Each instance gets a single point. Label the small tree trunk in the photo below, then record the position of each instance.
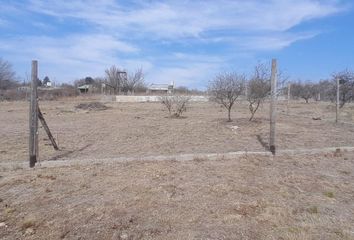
(252, 115)
(229, 114)
(254, 110)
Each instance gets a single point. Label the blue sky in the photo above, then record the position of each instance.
(184, 41)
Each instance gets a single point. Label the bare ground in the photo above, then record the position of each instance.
(307, 196)
(248, 197)
(143, 129)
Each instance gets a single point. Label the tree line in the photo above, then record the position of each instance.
(325, 90)
(225, 88)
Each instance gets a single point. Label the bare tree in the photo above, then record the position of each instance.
(258, 88)
(346, 86)
(134, 81)
(326, 89)
(316, 91)
(305, 91)
(7, 76)
(176, 105)
(226, 88)
(115, 78)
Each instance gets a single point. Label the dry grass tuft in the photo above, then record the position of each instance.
(28, 223)
(313, 210)
(329, 194)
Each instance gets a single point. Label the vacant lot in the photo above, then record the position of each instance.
(248, 197)
(144, 129)
(96, 192)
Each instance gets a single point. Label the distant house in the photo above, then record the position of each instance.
(85, 88)
(48, 84)
(161, 88)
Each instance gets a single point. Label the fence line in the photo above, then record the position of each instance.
(185, 157)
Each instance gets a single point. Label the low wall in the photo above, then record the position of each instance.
(155, 99)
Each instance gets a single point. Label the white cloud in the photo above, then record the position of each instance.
(171, 19)
(73, 56)
(192, 74)
(76, 47)
(116, 29)
(272, 42)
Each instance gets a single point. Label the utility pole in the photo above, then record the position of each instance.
(273, 106)
(33, 117)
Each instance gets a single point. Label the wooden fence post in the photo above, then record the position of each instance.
(33, 117)
(47, 130)
(337, 100)
(288, 103)
(273, 106)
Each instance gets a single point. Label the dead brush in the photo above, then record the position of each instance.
(176, 105)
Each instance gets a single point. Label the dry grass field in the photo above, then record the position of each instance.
(144, 129)
(249, 196)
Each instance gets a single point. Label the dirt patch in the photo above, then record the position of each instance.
(92, 106)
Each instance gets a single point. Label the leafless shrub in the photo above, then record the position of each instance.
(346, 86)
(7, 76)
(305, 91)
(226, 88)
(12, 95)
(56, 93)
(176, 105)
(134, 81)
(115, 78)
(258, 88)
(120, 81)
(187, 91)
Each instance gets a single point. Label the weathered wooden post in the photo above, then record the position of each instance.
(337, 100)
(47, 130)
(273, 106)
(102, 88)
(246, 91)
(288, 103)
(33, 117)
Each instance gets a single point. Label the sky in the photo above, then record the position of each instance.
(185, 41)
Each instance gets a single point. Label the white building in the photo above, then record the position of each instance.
(161, 88)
